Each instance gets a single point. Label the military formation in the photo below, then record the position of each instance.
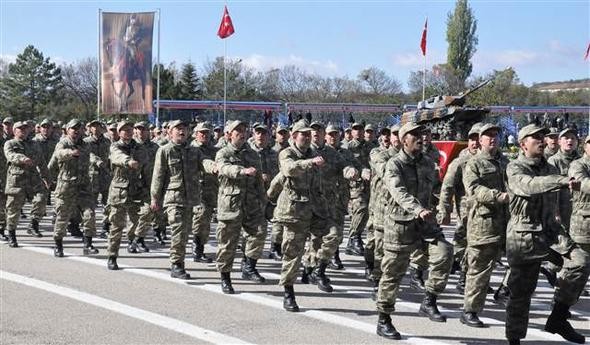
(300, 182)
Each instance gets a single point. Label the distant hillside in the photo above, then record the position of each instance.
(570, 85)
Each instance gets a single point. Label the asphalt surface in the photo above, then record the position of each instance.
(76, 300)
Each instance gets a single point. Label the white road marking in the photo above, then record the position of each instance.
(136, 313)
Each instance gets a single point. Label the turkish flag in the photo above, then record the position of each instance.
(448, 150)
(587, 52)
(226, 28)
(423, 41)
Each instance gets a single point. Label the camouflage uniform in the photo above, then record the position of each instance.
(276, 233)
(3, 166)
(100, 169)
(561, 161)
(484, 180)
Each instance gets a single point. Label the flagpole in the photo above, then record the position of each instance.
(99, 70)
(158, 82)
(424, 79)
(224, 80)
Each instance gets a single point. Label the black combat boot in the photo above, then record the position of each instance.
(319, 277)
(513, 341)
(49, 199)
(58, 251)
(416, 280)
(106, 228)
(430, 309)
(550, 275)
(88, 247)
(249, 271)
(158, 236)
(501, 295)
(557, 323)
(112, 263)
(470, 319)
(276, 252)
(23, 215)
(335, 262)
(460, 287)
(226, 283)
(132, 247)
(199, 252)
(289, 303)
(74, 229)
(369, 267)
(177, 271)
(359, 245)
(456, 266)
(140, 245)
(305, 273)
(350, 247)
(33, 229)
(385, 328)
(12, 239)
(3, 236)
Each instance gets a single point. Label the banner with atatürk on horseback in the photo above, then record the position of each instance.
(126, 62)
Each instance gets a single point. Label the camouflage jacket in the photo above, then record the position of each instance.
(221, 143)
(73, 172)
(240, 196)
(46, 146)
(561, 161)
(380, 197)
(149, 149)
(532, 227)
(176, 175)
(3, 166)
(128, 185)
(209, 183)
(100, 168)
(268, 162)
(580, 221)
(277, 147)
(548, 152)
(361, 152)
(452, 186)
(484, 178)
(432, 152)
(21, 177)
(302, 196)
(342, 182)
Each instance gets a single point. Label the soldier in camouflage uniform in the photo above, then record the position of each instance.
(409, 178)
(453, 188)
(551, 142)
(240, 204)
(3, 165)
(568, 143)
(276, 234)
(301, 206)
(73, 193)
(176, 188)
(46, 143)
(347, 136)
(26, 177)
(7, 124)
(531, 231)
(370, 139)
(203, 213)
(359, 192)
(484, 178)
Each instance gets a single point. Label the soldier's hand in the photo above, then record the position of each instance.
(265, 177)
(28, 161)
(319, 161)
(426, 216)
(133, 164)
(575, 185)
(76, 153)
(366, 174)
(251, 171)
(503, 198)
(154, 206)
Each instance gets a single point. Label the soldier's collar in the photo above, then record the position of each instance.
(531, 161)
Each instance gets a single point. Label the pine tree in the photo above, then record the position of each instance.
(189, 83)
(461, 27)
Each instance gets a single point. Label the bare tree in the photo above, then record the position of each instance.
(81, 81)
(378, 83)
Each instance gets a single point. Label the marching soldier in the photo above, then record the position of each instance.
(276, 234)
(74, 196)
(7, 124)
(3, 165)
(176, 188)
(484, 178)
(531, 231)
(551, 142)
(409, 178)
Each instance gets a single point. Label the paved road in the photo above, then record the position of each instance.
(76, 300)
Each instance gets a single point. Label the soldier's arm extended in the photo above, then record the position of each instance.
(395, 185)
(447, 190)
(474, 188)
(159, 177)
(582, 174)
(225, 167)
(12, 156)
(118, 157)
(290, 166)
(276, 187)
(522, 184)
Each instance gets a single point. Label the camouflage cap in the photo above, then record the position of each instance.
(385, 131)
(140, 124)
(218, 128)
(317, 125)
(347, 129)
(531, 129)
(123, 124)
(165, 124)
(301, 126)
(73, 123)
(152, 126)
(20, 124)
(568, 130)
(91, 123)
(46, 122)
(202, 127)
(235, 124)
(369, 127)
(395, 128)
(8, 120)
(552, 132)
(488, 127)
(332, 128)
(475, 129)
(409, 127)
(176, 123)
(358, 125)
(112, 125)
(282, 128)
(260, 126)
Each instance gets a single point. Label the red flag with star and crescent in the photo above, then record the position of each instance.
(226, 28)
(423, 41)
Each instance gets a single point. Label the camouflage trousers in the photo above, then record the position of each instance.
(180, 219)
(118, 219)
(142, 223)
(481, 260)
(396, 258)
(104, 196)
(374, 249)
(202, 215)
(321, 246)
(419, 259)
(69, 204)
(15, 203)
(460, 243)
(2, 210)
(294, 237)
(228, 237)
(276, 233)
(359, 215)
(573, 277)
(522, 282)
